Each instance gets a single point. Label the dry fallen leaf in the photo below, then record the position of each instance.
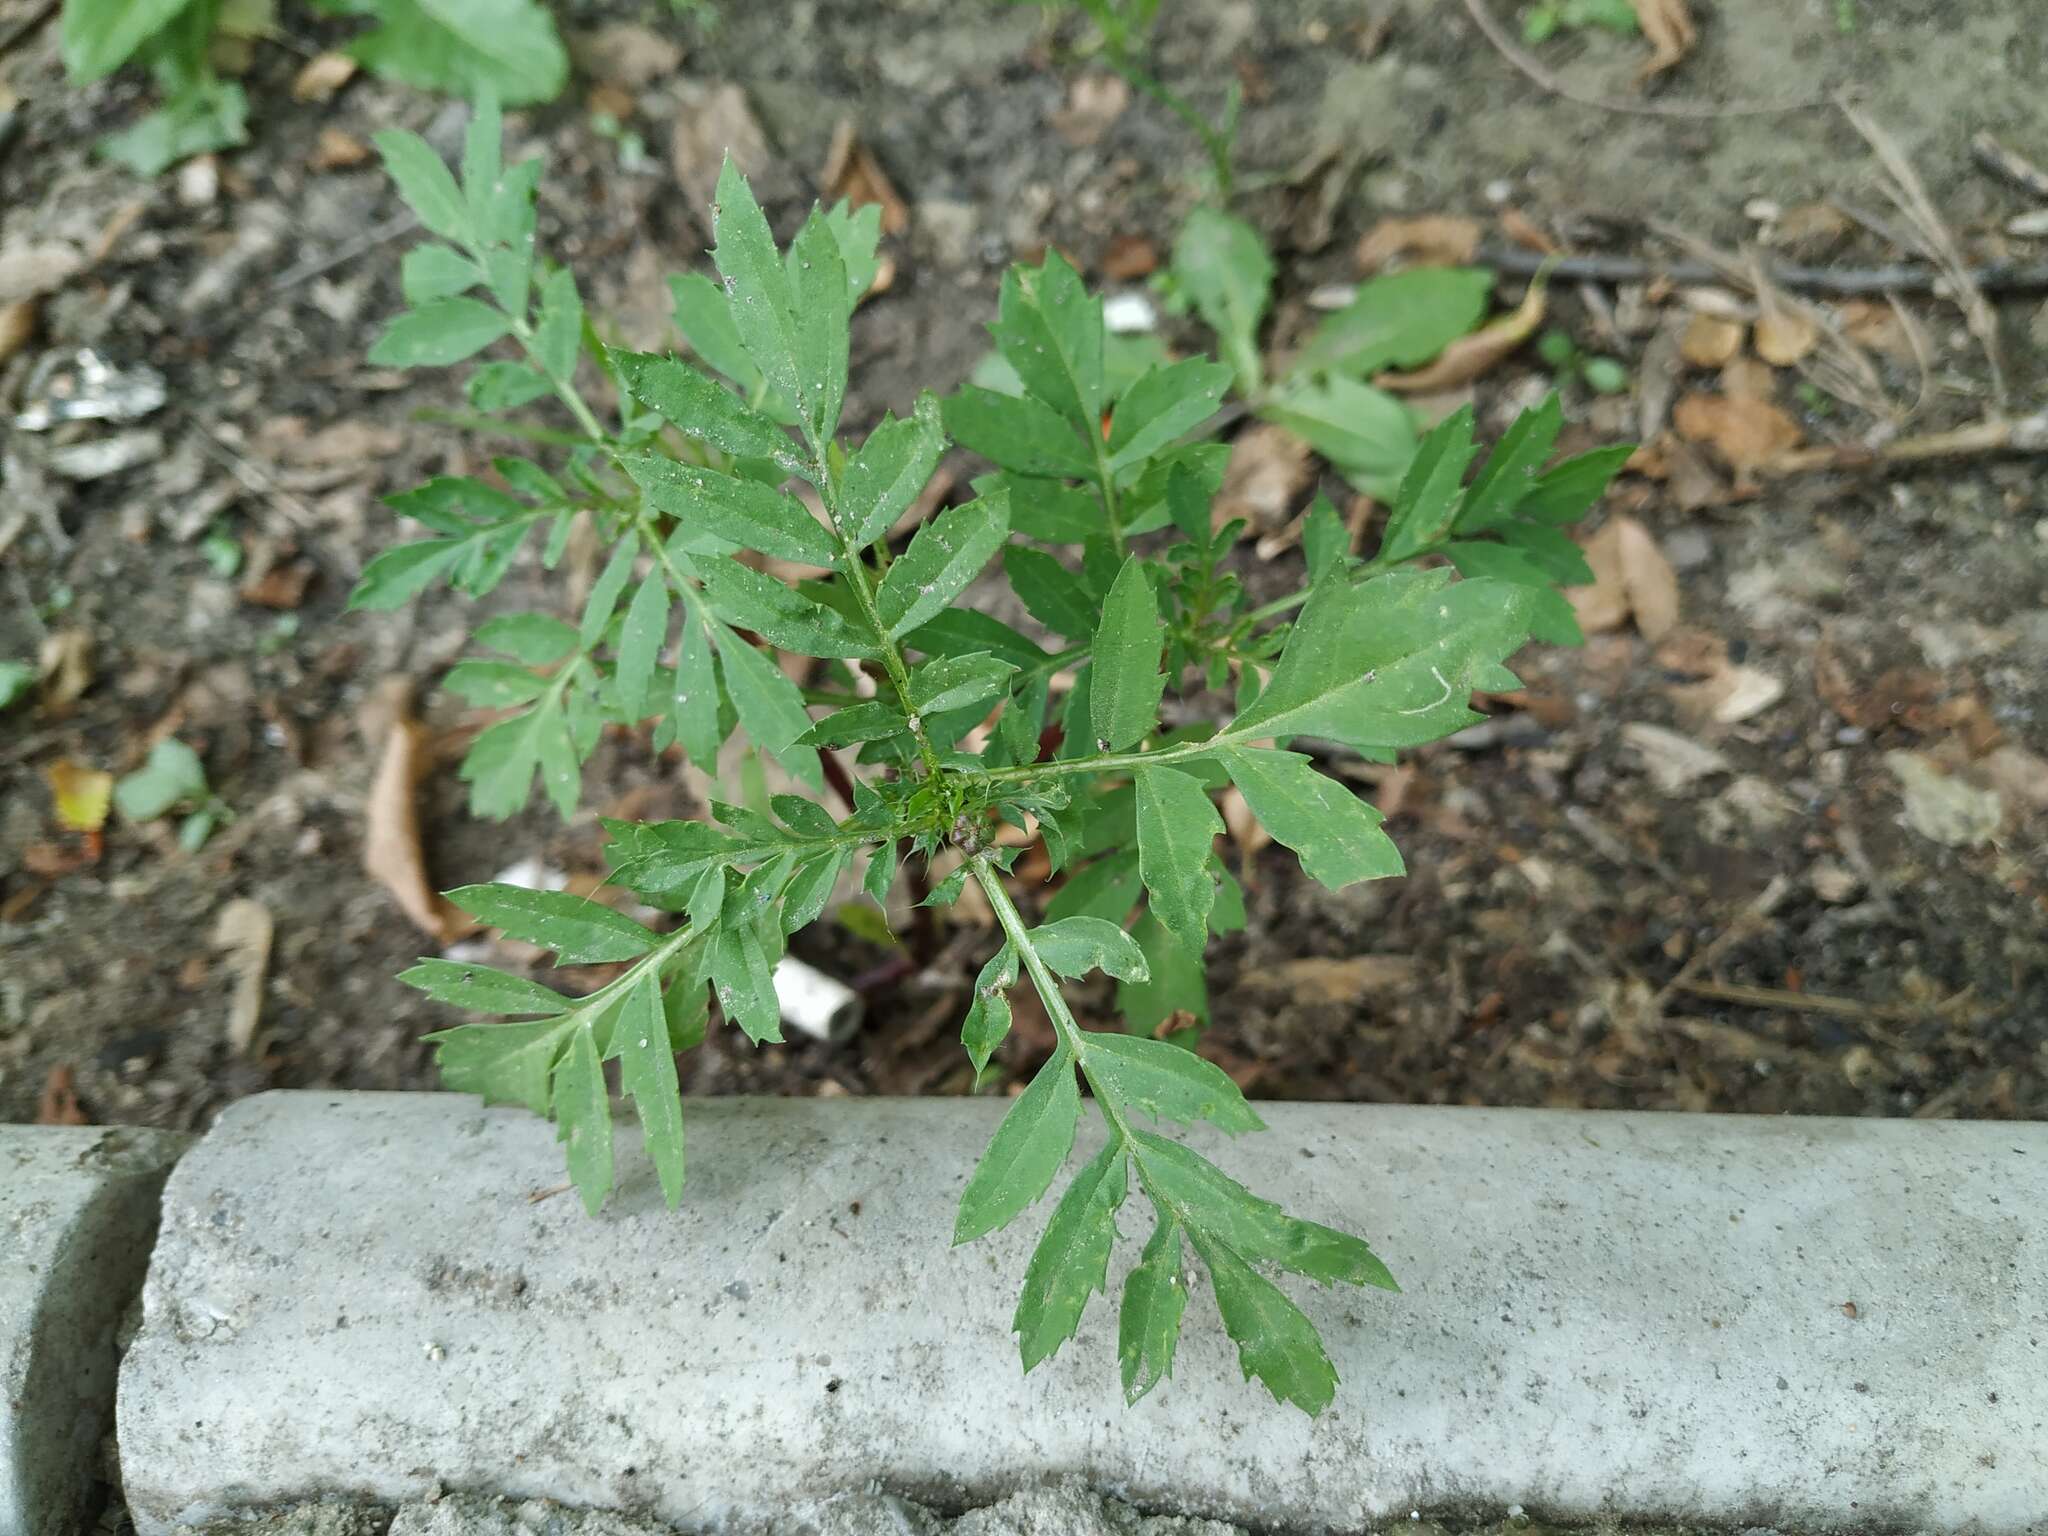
(1470, 356)
(1674, 762)
(1094, 101)
(321, 76)
(1784, 337)
(64, 666)
(1630, 576)
(1669, 27)
(1743, 433)
(335, 150)
(82, 795)
(1269, 466)
(1709, 341)
(625, 53)
(1247, 831)
(17, 325)
(244, 929)
(1430, 240)
(392, 855)
(1129, 257)
(852, 172)
(1942, 806)
(59, 1104)
(713, 121)
(1333, 983)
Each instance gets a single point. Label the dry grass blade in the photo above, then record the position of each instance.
(1909, 195)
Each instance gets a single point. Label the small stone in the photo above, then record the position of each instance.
(1832, 883)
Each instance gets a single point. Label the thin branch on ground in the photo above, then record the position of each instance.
(1834, 282)
(1696, 111)
(1999, 435)
(2009, 166)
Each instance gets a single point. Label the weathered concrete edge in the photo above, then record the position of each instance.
(1606, 1315)
(79, 1209)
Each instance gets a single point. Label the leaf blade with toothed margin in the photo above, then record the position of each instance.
(1126, 683)
(697, 405)
(1154, 1301)
(743, 979)
(482, 989)
(1275, 1340)
(583, 1117)
(1337, 836)
(1026, 1152)
(742, 512)
(761, 302)
(1166, 402)
(579, 930)
(1177, 830)
(438, 334)
(1050, 329)
(1168, 1082)
(1071, 1262)
(890, 471)
(945, 555)
(640, 642)
(502, 1063)
(770, 706)
(647, 1074)
(1074, 946)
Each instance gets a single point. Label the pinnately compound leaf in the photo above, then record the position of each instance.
(1025, 1153)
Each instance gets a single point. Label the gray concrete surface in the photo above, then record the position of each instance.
(77, 1207)
(1803, 1323)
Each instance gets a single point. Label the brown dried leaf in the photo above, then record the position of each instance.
(281, 584)
(1470, 356)
(1743, 433)
(1129, 257)
(1784, 337)
(321, 76)
(1745, 378)
(1669, 27)
(1709, 341)
(712, 121)
(64, 665)
(1269, 466)
(1094, 101)
(1334, 983)
(625, 53)
(1429, 240)
(244, 930)
(392, 855)
(59, 1104)
(1630, 577)
(852, 172)
(335, 150)
(17, 326)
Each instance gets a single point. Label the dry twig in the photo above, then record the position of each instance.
(2008, 166)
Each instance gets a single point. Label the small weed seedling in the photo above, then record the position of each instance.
(1098, 514)
(505, 48)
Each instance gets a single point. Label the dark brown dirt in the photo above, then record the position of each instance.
(1557, 891)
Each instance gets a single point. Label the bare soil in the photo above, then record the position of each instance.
(1558, 888)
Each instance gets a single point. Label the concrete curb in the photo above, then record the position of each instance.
(1605, 1315)
(78, 1208)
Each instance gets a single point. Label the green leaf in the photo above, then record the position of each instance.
(744, 512)
(945, 555)
(605, 593)
(1337, 836)
(1071, 1262)
(1148, 1326)
(1275, 1340)
(988, 1017)
(1427, 501)
(425, 183)
(1220, 262)
(1398, 321)
(640, 642)
(1565, 494)
(500, 764)
(558, 331)
(1125, 681)
(504, 1063)
(1016, 432)
(1390, 662)
(534, 638)
(499, 385)
(892, 468)
(695, 705)
(1048, 511)
(494, 684)
(438, 334)
(173, 775)
(583, 1114)
(1166, 403)
(962, 632)
(881, 873)
(1168, 1082)
(1050, 592)
(431, 272)
(804, 898)
(506, 49)
(1178, 982)
(664, 860)
(770, 706)
(483, 990)
(16, 678)
(1107, 888)
(819, 285)
(869, 720)
(1074, 946)
(762, 300)
(1365, 432)
(1508, 475)
(101, 35)
(1325, 542)
(856, 231)
(647, 1072)
(954, 682)
(706, 410)
(580, 931)
(202, 113)
(704, 316)
(1025, 1153)
(1177, 828)
(778, 613)
(743, 979)
(1050, 330)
